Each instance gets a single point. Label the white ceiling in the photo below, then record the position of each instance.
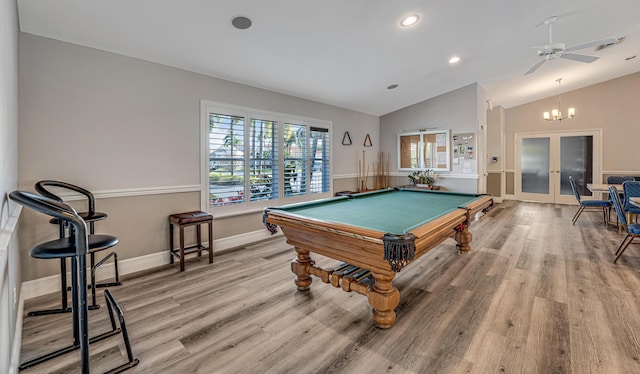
(346, 52)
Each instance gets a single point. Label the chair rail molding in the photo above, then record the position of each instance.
(129, 192)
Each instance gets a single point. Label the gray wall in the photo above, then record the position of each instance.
(495, 148)
(10, 278)
(122, 126)
(611, 106)
(457, 111)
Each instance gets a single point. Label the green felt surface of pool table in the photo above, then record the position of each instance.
(391, 211)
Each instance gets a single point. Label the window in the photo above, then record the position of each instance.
(319, 160)
(258, 159)
(263, 160)
(295, 157)
(424, 150)
(226, 159)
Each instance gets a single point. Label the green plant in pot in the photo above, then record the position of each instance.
(425, 177)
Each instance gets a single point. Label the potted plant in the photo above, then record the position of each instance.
(423, 178)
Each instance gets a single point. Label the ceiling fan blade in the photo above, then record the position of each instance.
(591, 44)
(535, 67)
(581, 58)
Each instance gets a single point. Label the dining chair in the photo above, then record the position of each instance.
(604, 205)
(630, 189)
(633, 229)
(619, 179)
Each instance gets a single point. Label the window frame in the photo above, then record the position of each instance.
(421, 150)
(248, 206)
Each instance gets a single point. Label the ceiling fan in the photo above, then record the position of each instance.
(557, 50)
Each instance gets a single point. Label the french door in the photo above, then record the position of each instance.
(544, 162)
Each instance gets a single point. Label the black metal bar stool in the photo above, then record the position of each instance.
(183, 220)
(90, 217)
(75, 248)
(76, 253)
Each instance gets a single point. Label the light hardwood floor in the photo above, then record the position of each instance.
(535, 295)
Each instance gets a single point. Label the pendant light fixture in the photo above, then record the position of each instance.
(556, 114)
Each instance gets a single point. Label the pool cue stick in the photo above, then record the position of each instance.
(366, 178)
(382, 170)
(381, 167)
(373, 168)
(364, 183)
(376, 178)
(358, 177)
(388, 174)
(376, 168)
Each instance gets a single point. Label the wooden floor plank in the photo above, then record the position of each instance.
(548, 342)
(536, 294)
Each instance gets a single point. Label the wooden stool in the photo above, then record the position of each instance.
(189, 219)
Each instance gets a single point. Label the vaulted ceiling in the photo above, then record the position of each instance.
(347, 52)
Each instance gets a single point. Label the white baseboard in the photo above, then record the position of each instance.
(51, 284)
(242, 240)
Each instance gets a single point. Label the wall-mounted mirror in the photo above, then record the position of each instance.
(424, 150)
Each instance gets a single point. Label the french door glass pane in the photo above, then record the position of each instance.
(576, 153)
(535, 163)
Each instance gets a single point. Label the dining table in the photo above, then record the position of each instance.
(635, 201)
(602, 187)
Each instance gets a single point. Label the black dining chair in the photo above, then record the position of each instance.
(90, 216)
(604, 205)
(632, 230)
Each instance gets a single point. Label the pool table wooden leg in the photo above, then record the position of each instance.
(300, 267)
(384, 298)
(463, 237)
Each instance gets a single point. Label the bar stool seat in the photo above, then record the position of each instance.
(65, 247)
(183, 220)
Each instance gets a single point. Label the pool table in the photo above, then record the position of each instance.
(375, 235)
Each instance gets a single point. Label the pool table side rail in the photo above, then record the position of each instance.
(483, 203)
(362, 251)
(284, 218)
(366, 246)
(433, 233)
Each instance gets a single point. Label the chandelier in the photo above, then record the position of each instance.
(556, 114)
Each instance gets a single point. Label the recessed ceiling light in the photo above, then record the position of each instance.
(409, 20)
(454, 59)
(391, 87)
(241, 23)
